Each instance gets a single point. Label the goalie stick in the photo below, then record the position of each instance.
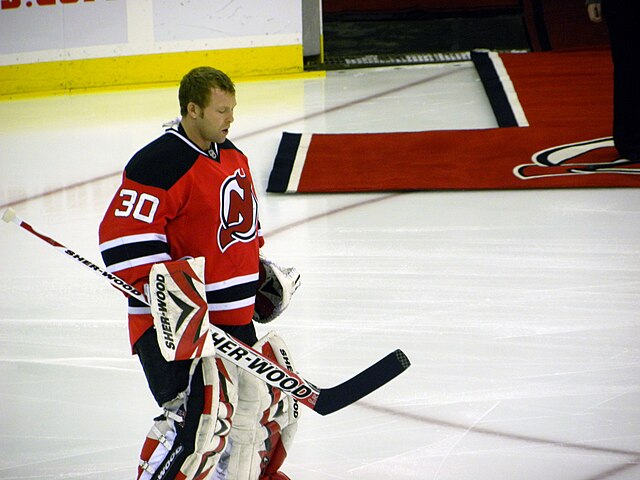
(321, 400)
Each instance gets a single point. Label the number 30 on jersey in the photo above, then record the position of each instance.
(143, 206)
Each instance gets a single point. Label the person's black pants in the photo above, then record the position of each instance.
(623, 22)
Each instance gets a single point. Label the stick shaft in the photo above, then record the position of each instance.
(112, 279)
(323, 401)
(252, 361)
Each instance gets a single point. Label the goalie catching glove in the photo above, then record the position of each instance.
(276, 286)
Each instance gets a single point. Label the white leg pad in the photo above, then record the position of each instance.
(264, 418)
(215, 421)
(161, 437)
(214, 425)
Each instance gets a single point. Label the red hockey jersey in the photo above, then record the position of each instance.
(178, 201)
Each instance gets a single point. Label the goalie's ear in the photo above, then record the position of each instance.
(277, 285)
(180, 311)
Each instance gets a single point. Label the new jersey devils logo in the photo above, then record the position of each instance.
(238, 211)
(581, 158)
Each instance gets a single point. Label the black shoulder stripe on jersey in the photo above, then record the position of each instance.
(162, 163)
(232, 294)
(228, 145)
(131, 251)
(134, 302)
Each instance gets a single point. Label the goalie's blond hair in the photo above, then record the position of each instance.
(197, 84)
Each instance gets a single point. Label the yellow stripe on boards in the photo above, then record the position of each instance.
(36, 79)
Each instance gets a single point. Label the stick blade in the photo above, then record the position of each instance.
(333, 399)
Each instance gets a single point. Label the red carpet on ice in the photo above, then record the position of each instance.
(554, 111)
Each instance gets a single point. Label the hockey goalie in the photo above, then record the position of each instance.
(183, 227)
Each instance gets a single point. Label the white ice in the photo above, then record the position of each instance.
(518, 309)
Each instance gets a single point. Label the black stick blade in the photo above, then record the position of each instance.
(333, 399)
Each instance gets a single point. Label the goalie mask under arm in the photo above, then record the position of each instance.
(277, 286)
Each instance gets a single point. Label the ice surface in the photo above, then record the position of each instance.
(518, 309)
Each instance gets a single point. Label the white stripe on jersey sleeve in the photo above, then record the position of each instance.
(139, 311)
(218, 307)
(211, 287)
(142, 237)
(160, 257)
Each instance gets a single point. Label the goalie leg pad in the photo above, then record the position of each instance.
(265, 421)
(196, 433)
(161, 437)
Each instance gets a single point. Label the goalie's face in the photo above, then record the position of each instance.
(212, 123)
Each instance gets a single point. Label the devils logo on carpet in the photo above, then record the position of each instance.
(580, 158)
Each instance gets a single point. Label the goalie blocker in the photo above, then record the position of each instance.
(179, 308)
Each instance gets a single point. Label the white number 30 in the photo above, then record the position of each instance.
(143, 208)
